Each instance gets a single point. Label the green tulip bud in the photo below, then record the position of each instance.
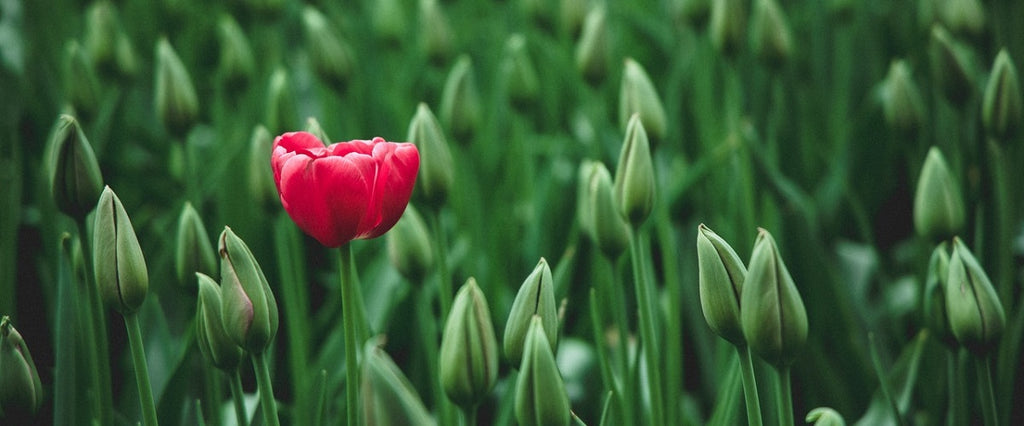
(460, 100)
(583, 214)
(728, 25)
(938, 206)
(80, 81)
(693, 12)
(102, 32)
(75, 180)
(237, 64)
(249, 310)
(824, 416)
(21, 392)
(387, 397)
(951, 66)
(176, 102)
(634, 176)
(330, 55)
(571, 14)
(901, 101)
(388, 19)
(261, 178)
(521, 79)
(313, 126)
(591, 54)
(194, 252)
(770, 35)
(436, 176)
(964, 16)
(409, 246)
(541, 398)
(935, 316)
(721, 274)
(536, 298)
(119, 266)
(435, 32)
(281, 113)
(608, 229)
(638, 96)
(773, 317)
(975, 313)
(1002, 105)
(469, 351)
(212, 339)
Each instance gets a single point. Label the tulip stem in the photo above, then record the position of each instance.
(131, 322)
(785, 397)
(470, 415)
(988, 398)
(749, 386)
(237, 397)
(648, 335)
(97, 340)
(266, 390)
(348, 313)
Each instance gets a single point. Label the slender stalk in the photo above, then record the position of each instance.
(266, 388)
(429, 335)
(469, 415)
(237, 397)
(65, 397)
(602, 359)
(952, 386)
(97, 341)
(131, 322)
(749, 386)
(648, 335)
(985, 391)
(785, 398)
(443, 274)
(615, 298)
(348, 313)
(211, 394)
(673, 349)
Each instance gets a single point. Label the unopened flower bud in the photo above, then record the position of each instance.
(261, 178)
(966, 17)
(249, 310)
(638, 96)
(521, 79)
(387, 397)
(469, 350)
(541, 398)
(608, 229)
(770, 38)
(693, 12)
(975, 313)
(75, 180)
(901, 101)
(176, 102)
(409, 247)
(951, 66)
(536, 298)
(389, 21)
(728, 25)
(592, 49)
(938, 206)
(571, 14)
(435, 32)
(80, 81)
(212, 339)
(773, 316)
(460, 100)
(935, 316)
(634, 176)
(194, 252)
(237, 64)
(21, 392)
(119, 266)
(825, 416)
(721, 274)
(1002, 105)
(102, 31)
(281, 113)
(329, 53)
(436, 175)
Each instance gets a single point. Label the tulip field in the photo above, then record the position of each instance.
(511, 212)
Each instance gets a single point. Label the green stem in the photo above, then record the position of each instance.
(266, 389)
(749, 386)
(65, 390)
(952, 386)
(648, 335)
(211, 394)
(602, 359)
(785, 397)
(988, 398)
(427, 324)
(469, 415)
(237, 397)
(97, 341)
(616, 296)
(443, 274)
(131, 322)
(348, 312)
(673, 326)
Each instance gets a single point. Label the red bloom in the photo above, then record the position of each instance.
(345, 191)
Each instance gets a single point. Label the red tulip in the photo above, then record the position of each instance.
(345, 191)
